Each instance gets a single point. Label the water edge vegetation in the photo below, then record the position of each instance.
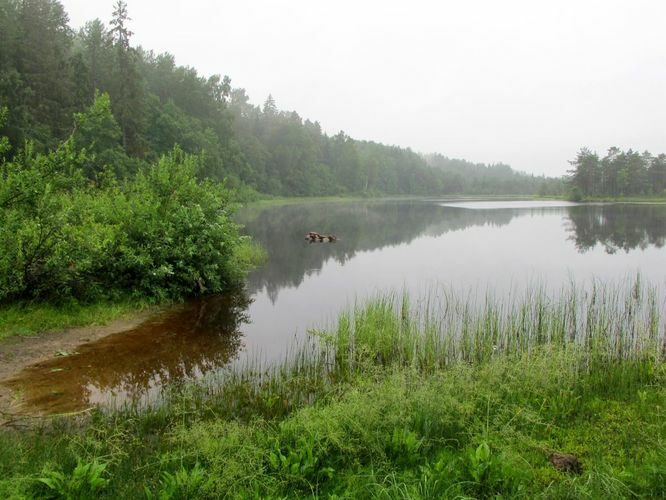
(438, 396)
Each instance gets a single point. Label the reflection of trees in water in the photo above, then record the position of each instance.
(617, 227)
(359, 226)
(184, 342)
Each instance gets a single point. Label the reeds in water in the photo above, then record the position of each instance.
(615, 322)
(599, 324)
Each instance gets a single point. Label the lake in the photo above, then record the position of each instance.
(415, 246)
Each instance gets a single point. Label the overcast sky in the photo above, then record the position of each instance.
(524, 82)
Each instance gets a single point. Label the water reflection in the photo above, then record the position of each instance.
(131, 366)
(362, 226)
(375, 225)
(617, 227)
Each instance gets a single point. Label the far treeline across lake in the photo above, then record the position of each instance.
(619, 173)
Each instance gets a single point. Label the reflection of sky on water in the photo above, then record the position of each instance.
(411, 246)
(497, 205)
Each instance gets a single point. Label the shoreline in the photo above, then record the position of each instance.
(20, 352)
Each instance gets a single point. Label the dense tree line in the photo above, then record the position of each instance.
(619, 173)
(49, 73)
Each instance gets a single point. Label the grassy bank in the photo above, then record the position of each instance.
(652, 200)
(436, 398)
(627, 199)
(31, 319)
(263, 202)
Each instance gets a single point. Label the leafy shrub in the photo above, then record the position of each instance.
(175, 233)
(161, 234)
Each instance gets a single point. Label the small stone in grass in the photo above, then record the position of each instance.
(565, 462)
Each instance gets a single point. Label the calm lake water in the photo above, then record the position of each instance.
(411, 246)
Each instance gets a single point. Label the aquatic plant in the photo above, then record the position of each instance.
(600, 325)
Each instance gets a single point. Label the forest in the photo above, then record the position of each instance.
(50, 72)
(619, 173)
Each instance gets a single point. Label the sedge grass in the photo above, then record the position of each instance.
(603, 324)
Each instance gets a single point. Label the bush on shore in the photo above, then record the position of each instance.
(67, 233)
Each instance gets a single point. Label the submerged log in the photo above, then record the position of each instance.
(313, 236)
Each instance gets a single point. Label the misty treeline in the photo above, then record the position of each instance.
(619, 173)
(49, 72)
(92, 205)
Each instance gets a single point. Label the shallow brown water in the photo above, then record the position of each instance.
(411, 246)
(133, 366)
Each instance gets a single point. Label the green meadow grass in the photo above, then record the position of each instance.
(437, 397)
(30, 319)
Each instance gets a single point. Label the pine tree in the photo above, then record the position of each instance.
(127, 96)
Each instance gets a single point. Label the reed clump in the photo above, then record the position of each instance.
(599, 325)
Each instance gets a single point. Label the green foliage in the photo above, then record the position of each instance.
(176, 237)
(182, 485)
(37, 72)
(40, 227)
(300, 461)
(404, 447)
(405, 425)
(29, 318)
(162, 234)
(85, 481)
(575, 194)
(619, 173)
(48, 74)
(460, 176)
(4, 141)
(98, 134)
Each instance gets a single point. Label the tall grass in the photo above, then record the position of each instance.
(613, 322)
(600, 325)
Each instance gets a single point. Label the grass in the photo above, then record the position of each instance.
(443, 396)
(30, 319)
(648, 199)
(248, 255)
(272, 201)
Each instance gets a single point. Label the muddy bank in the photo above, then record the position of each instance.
(19, 353)
(126, 362)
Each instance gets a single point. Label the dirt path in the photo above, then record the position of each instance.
(17, 353)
